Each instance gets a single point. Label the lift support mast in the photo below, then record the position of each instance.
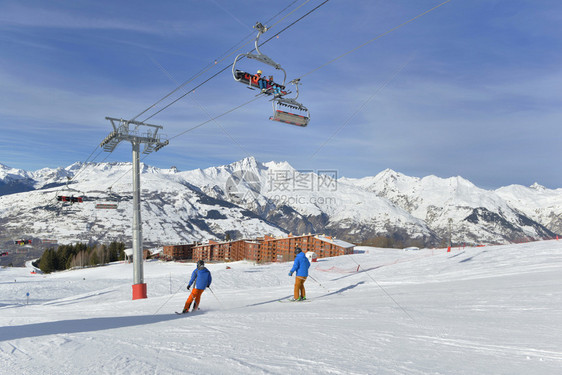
(152, 142)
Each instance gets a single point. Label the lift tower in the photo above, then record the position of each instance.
(123, 131)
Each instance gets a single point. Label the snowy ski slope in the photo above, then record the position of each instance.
(485, 310)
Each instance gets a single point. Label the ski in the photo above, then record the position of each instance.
(189, 312)
(293, 300)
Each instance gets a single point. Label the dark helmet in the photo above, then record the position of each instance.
(298, 250)
(200, 264)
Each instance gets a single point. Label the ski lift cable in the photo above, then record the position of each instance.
(225, 68)
(195, 76)
(228, 66)
(227, 54)
(381, 87)
(296, 80)
(346, 122)
(230, 14)
(266, 41)
(216, 74)
(70, 179)
(377, 37)
(184, 95)
(84, 164)
(221, 58)
(82, 168)
(216, 117)
(203, 109)
(293, 11)
(187, 82)
(233, 109)
(210, 65)
(293, 23)
(190, 129)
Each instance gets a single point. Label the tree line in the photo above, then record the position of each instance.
(79, 255)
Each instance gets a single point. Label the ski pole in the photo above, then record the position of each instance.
(318, 283)
(216, 297)
(384, 290)
(168, 300)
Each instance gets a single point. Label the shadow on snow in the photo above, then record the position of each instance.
(321, 296)
(80, 326)
(349, 287)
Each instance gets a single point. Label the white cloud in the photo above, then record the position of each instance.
(18, 15)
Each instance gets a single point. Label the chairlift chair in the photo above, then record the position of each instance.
(106, 206)
(289, 111)
(110, 203)
(68, 195)
(286, 110)
(70, 198)
(250, 79)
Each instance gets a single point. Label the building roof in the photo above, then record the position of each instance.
(324, 238)
(336, 242)
(214, 242)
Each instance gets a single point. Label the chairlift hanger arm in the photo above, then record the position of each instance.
(261, 29)
(258, 56)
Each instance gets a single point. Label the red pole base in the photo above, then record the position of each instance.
(139, 291)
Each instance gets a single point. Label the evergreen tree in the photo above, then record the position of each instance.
(121, 250)
(64, 253)
(113, 253)
(48, 262)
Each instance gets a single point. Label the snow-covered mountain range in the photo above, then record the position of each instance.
(472, 214)
(249, 198)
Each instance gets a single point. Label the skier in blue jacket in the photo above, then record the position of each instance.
(301, 266)
(201, 276)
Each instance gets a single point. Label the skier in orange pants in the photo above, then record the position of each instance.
(194, 296)
(202, 279)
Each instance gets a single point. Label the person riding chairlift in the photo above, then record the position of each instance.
(276, 88)
(261, 81)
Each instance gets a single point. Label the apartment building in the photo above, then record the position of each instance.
(177, 252)
(271, 249)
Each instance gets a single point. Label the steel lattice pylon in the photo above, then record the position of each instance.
(152, 141)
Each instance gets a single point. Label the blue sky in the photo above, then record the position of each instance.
(470, 89)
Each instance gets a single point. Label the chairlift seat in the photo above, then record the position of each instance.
(252, 80)
(106, 206)
(71, 199)
(290, 118)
